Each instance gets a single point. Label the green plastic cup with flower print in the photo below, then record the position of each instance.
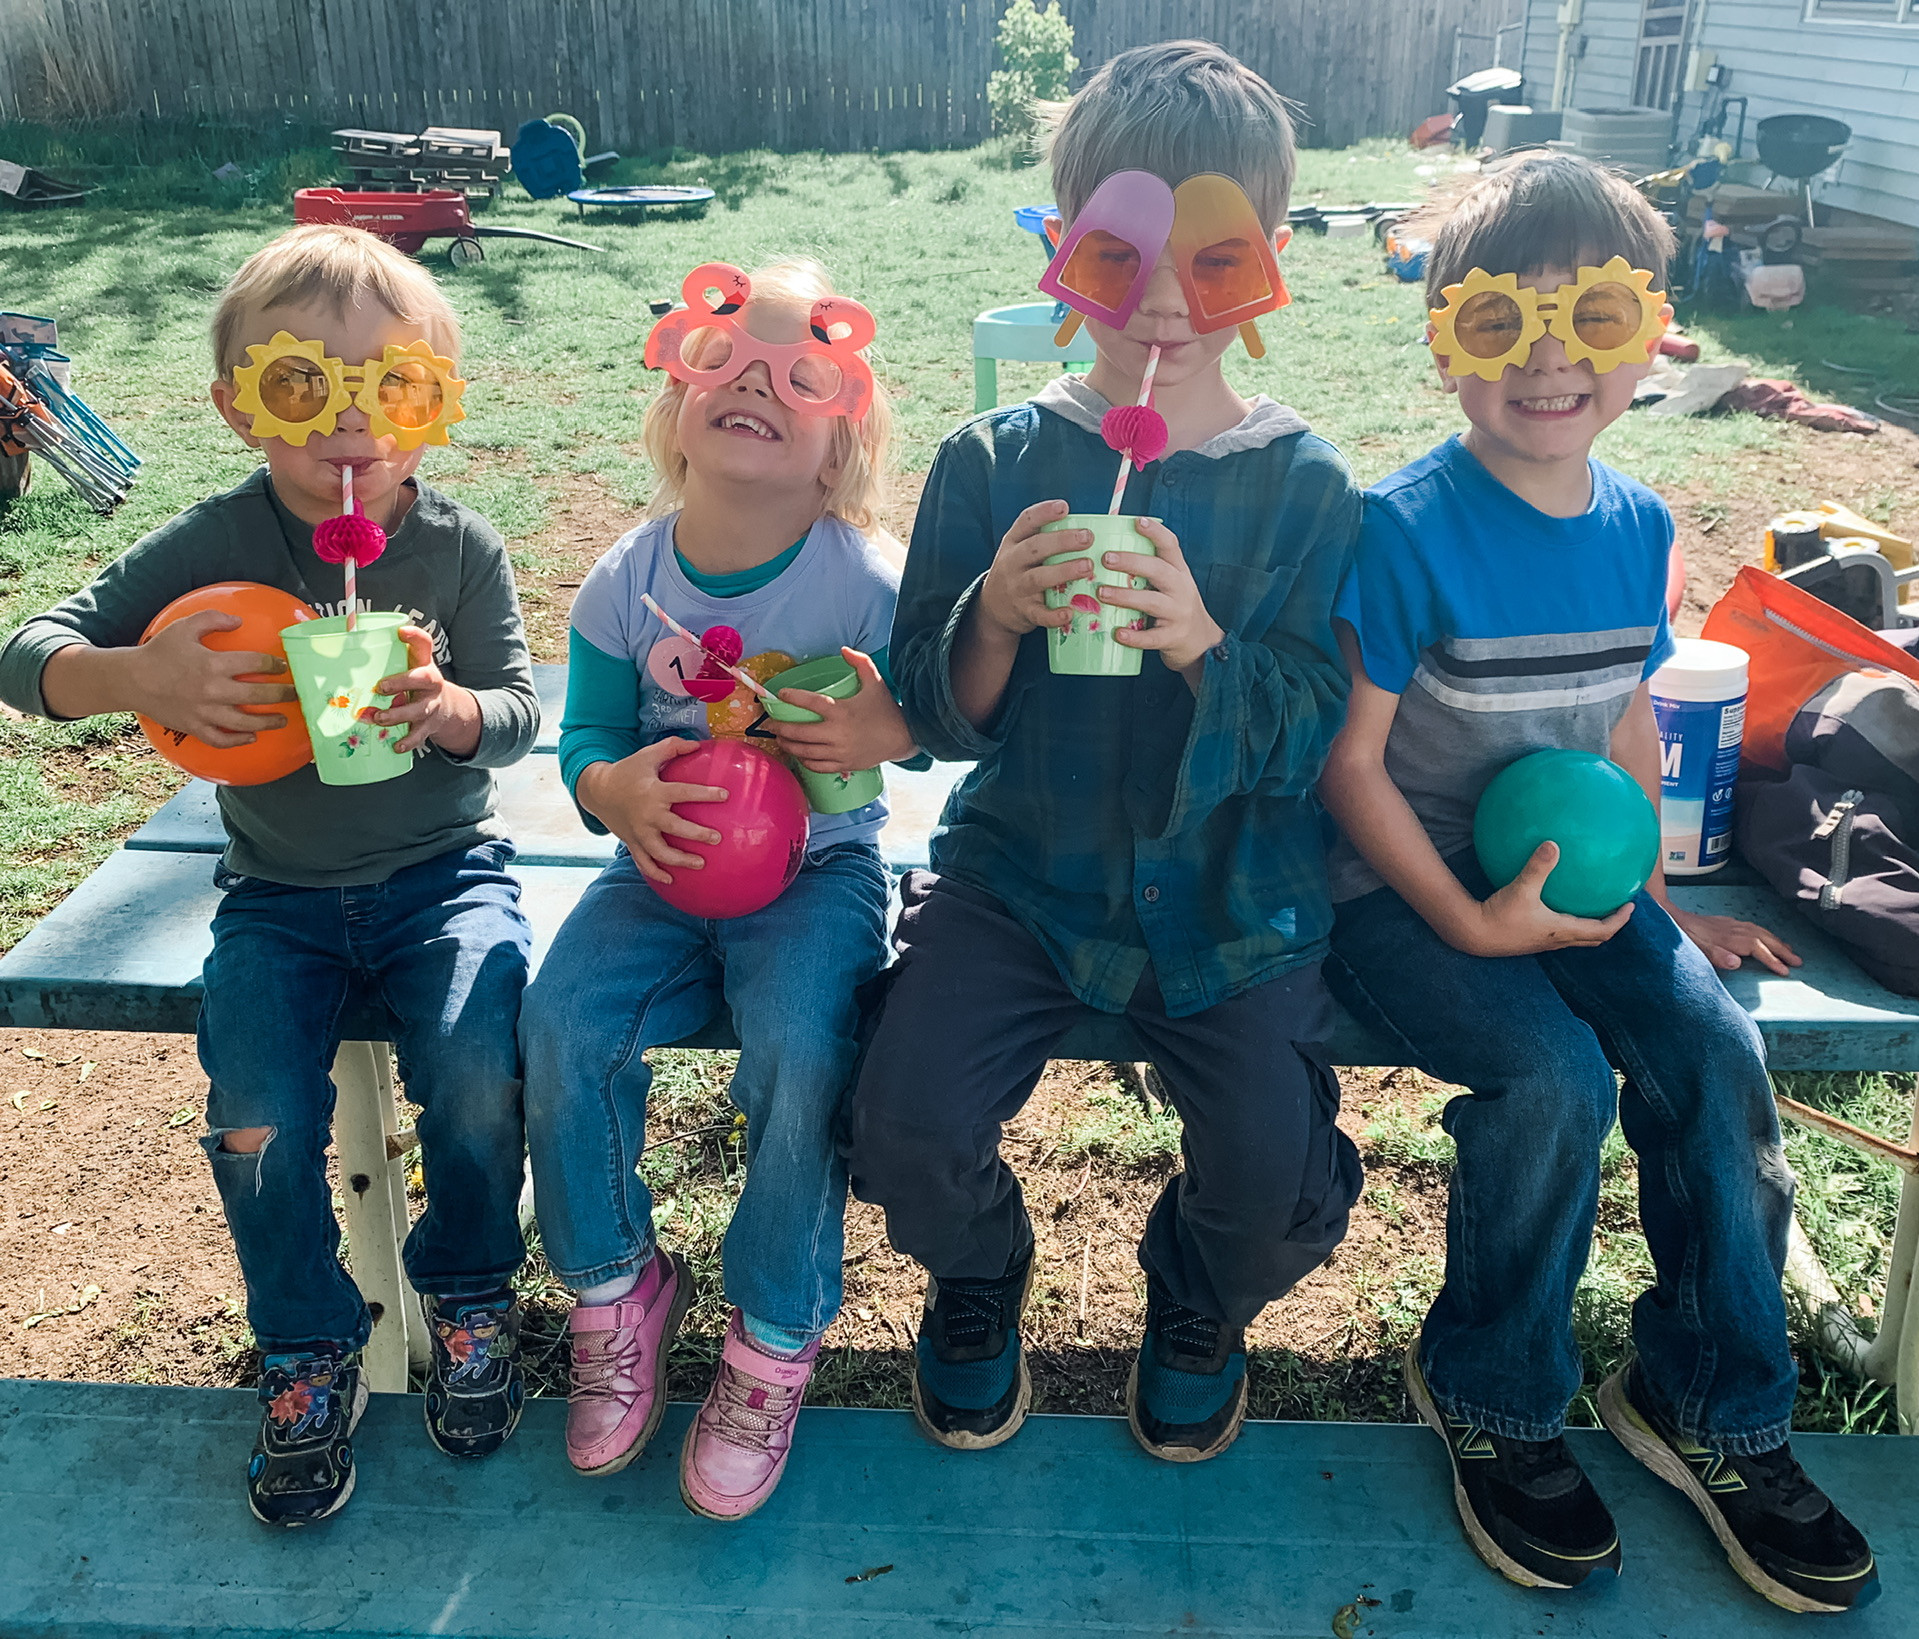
(1086, 648)
(334, 671)
(833, 677)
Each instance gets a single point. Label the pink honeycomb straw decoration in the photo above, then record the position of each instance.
(350, 539)
(1137, 431)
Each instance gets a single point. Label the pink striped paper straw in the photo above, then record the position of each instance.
(1126, 455)
(346, 510)
(734, 672)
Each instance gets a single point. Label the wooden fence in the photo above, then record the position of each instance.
(707, 75)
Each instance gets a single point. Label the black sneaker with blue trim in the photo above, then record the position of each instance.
(475, 1387)
(1186, 1394)
(1780, 1531)
(1528, 1509)
(971, 1388)
(302, 1466)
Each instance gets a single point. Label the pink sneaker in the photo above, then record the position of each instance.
(616, 1393)
(736, 1449)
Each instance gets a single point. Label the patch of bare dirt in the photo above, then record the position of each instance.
(116, 1260)
(1720, 531)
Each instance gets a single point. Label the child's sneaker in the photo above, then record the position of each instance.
(970, 1383)
(616, 1394)
(302, 1465)
(736, 1450)
(474, 1384)
(1781, 1532)
(1528, 1508)
(1186, 1395)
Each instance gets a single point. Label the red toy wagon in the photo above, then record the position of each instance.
(408, 220)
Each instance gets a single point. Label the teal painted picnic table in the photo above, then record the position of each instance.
(124, 1517)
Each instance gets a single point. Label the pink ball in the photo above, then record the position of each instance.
(762, 827)
(1136, 427)
(354, 536)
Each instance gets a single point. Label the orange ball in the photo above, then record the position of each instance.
(264, 612)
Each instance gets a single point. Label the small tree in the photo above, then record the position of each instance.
(1037, 49)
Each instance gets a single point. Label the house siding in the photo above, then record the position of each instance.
(1866, 74)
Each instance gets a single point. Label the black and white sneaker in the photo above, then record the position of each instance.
(1186, 1394)
(302, 1466)
(1782, 1533)
(1527, 1506)
(971, 1388)
(475, 1387)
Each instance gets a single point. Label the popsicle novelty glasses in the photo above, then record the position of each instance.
(1607, 316)
(704, 345)
(292, 389)
(1224, 260)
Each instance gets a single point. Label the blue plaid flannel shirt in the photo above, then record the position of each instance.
(1123, 820)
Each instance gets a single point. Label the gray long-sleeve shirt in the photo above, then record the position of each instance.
(445, 567)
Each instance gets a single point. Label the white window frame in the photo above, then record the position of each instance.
(1850, 14)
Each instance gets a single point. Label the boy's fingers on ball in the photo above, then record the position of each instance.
(268, 694)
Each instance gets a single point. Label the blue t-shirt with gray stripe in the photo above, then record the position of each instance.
(1502, 630)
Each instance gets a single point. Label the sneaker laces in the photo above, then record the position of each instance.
(597, 1366)
(748, 1410)
(969, 1310)
(1543, 1469)
(1785, 1486)
(1187, 1331)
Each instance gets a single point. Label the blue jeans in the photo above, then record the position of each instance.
(1535, 1040)
(443, 946)
(627, 972)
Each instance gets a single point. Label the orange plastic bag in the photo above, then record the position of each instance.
(1798, 645)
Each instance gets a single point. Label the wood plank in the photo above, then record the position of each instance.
(875, 1533)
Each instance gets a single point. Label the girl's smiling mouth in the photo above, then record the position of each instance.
(737, 421)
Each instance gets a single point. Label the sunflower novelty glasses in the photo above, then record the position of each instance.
(705, 345)
(1225, 261)
(293, 390)
(1607, 316)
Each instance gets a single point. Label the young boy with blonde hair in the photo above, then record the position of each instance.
(393, 894)
(1508, 596)
(1144, 846)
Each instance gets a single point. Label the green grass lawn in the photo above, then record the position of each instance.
(553, 345)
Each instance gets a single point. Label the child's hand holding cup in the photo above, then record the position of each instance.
(1086, 647)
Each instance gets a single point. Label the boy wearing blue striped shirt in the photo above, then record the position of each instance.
(1507, 596)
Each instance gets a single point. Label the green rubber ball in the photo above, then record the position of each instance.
(1606, 827)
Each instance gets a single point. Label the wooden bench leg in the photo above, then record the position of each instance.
(1894, 1355)
(374, 1189)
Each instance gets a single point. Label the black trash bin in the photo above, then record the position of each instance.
(1475, 94)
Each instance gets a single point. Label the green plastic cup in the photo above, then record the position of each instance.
(833, 677)
(334, 671)
(1086, 648)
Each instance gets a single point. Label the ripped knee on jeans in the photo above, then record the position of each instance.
(242, 1140)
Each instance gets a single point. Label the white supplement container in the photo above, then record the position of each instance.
(1699, 697)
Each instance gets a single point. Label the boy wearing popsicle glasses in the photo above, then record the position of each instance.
(334, 354)
(1508, 596)
(1144, 845)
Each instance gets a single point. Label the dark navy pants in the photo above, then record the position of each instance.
(973, 1009)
